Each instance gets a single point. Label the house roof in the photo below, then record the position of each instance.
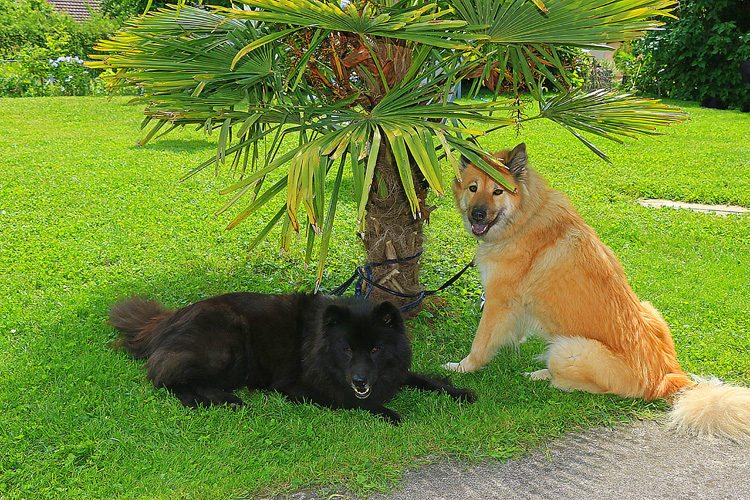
(76, 8)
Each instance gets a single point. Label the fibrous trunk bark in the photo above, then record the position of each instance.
(393, 232)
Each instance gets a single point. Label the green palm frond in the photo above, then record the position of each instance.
(608, 114)
(169, 51)
(408, 131)
(181, 60)
(529, 35)
(417, 22)
(577, 23)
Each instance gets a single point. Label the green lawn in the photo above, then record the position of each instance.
(87, 217)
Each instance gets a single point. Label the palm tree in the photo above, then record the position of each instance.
(367, 88)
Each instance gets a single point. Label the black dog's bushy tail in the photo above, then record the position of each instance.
(137, 319)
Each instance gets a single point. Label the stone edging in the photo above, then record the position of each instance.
(715, 209)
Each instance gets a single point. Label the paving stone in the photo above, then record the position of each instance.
(716, 209)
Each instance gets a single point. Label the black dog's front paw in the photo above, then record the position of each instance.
(205, 397)
(391, 416)
(465, 395)
(236, 405)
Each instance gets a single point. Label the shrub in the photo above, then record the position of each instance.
(123, 9)
(46, 71)
(26, 23)
(47, 49)
(35, 77)
(697, 57)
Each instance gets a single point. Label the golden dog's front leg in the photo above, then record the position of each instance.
(497, 328)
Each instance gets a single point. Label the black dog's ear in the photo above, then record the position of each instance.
(333, 315)
(518, 160)
(389, 314)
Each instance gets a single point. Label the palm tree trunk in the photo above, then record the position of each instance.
(392, 232)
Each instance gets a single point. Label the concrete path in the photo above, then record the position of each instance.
(715, 209)
(642, 460)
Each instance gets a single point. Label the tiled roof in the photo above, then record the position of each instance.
(76, 8)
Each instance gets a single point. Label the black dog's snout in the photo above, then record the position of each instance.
(359, 381)
(478, 214)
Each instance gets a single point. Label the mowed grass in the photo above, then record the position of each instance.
(87, 217)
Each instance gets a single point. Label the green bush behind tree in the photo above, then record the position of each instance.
(124, 9)
(697, 56)
(44, 50)
(25, 23)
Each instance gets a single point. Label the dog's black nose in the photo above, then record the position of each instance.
(478, 214)
(359, 381)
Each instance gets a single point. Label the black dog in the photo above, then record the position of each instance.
(339, 353)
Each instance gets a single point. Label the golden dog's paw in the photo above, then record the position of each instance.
(464, 366)
(539, 375)
(454, 367)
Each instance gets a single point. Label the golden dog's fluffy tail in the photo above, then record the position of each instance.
(713, 408)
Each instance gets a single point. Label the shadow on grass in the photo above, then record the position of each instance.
(178, 145)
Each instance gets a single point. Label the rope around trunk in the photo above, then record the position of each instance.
(364, 274)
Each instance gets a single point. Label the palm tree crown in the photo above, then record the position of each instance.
(368, 87)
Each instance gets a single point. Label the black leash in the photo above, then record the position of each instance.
(364, 274)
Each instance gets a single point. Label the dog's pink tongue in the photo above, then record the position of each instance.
(479, 229)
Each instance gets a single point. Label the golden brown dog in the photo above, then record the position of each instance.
(544, 270)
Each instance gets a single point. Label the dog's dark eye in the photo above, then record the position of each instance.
(473, 189)
(497, 192)
(348, 350)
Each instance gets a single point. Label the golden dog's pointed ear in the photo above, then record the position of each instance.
(517, 160)
(463, 163)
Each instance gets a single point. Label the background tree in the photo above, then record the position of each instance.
(698, 55)
(368, 88)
